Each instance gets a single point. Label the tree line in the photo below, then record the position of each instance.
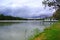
(3, 17)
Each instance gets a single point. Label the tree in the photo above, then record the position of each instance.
(56, 15)
(56, 5)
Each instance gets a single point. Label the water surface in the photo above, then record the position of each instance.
(21, 30)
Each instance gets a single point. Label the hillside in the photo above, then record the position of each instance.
(3, 17)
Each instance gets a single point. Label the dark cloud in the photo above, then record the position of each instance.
(25, 11)
(23, 8)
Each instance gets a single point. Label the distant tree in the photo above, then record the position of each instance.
(3, 17)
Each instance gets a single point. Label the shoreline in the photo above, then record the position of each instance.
(28, 20)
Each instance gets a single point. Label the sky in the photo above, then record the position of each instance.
(24, 8)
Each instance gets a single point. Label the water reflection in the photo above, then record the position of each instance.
(20, 31)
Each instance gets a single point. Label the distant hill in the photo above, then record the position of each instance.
(3, 17)
(6, 17)
(42, 16)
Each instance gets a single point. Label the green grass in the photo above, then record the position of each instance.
(50, 33)
(53, 32)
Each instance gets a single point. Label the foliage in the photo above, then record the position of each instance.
(56, 15)
(3, 17)
(55, 3)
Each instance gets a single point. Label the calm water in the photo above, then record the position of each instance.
(21, 30)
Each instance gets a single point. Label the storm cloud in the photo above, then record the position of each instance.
(24, 8)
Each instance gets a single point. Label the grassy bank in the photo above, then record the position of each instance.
(51, 33)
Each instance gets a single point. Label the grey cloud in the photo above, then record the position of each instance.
(21, 8)
(25, 11)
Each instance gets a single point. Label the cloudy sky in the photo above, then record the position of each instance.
(24, 8)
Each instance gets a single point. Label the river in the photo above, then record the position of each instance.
(20, 30)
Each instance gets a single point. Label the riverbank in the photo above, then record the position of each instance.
(28, 20)
(50, 33)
